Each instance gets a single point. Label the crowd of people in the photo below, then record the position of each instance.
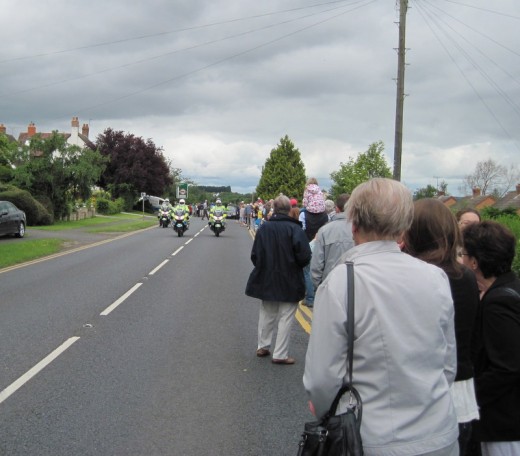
(437, 315)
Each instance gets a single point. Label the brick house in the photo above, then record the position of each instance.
(475, 201)
(74, 138)
(3, 130)
(510, 199)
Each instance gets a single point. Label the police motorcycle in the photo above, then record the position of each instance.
(163, 214)
(218, 224)
(164, 217)
(180, 224)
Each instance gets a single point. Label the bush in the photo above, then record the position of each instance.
(513, 223)
(102, 206)
(107, 207)
(46, 202)
(491, 212)
(35, 212)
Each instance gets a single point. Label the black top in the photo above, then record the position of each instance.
(465, 294)
(313, 222)
(496, 359)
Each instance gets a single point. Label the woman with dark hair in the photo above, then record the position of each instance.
(434, 237)
(489, 249)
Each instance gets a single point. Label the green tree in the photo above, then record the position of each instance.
(7, 153)
(283, 172)
(135, 166)
(426, 192)
(52, 170)
(368, 165)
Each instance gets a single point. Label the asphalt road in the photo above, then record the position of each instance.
(143, 345)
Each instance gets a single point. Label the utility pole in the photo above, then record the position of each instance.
(437, 177)
(401, 52)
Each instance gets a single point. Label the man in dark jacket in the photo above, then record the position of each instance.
(280, 252)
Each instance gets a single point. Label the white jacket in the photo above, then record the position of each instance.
(404, 350)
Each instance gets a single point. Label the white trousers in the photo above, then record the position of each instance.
(270, 311)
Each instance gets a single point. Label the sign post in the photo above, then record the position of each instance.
(143, 197)
(182, 191)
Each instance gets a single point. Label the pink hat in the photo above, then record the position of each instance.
(294, 202)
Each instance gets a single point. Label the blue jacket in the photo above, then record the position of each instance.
(280, 252)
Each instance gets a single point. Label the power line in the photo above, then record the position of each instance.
(479, 68)
(169, 32)
(189, 48)
(484, 9)
(468, 81)
(225, 59)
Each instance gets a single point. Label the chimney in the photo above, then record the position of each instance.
(518, 189)
(476, 191)
(2, 129)
(31, 129)
(84, 130)
(75, 122)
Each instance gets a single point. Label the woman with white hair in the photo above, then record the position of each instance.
(404, 342)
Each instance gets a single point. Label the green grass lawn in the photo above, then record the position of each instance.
(29, 249)
(113, 223)
(26, 250)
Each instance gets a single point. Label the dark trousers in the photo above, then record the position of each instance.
(468, 444)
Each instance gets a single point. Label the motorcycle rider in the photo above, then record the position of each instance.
(181, 205)
(217, 207)
(165, 206)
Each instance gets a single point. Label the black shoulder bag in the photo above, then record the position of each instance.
(338, 435)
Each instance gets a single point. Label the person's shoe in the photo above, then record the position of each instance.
(283, 361)
(308, 304)
(261, 352)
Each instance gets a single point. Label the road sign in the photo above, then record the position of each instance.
(182, 191)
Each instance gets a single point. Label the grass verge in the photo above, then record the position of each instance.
(112, 223)
(30, 249)
(26, 250)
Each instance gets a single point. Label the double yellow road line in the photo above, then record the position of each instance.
(304, 317)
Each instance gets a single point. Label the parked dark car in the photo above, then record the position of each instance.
(12, 220)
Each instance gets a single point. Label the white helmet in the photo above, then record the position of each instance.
(182, 201)
(166, 200)
(218, 201)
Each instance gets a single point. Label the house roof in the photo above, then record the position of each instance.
(88, 142)
(25, 136)
(10, 137)
(447, 200)
(510, 199)
(474, 202)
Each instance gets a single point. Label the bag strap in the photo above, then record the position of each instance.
(350, 340)
(350, 317)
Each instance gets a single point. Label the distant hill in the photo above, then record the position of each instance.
(213, 189)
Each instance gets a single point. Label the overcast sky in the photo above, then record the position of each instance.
(217, 84)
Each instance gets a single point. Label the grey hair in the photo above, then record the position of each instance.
(329, 206)
(381, 207)
(281, 205)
